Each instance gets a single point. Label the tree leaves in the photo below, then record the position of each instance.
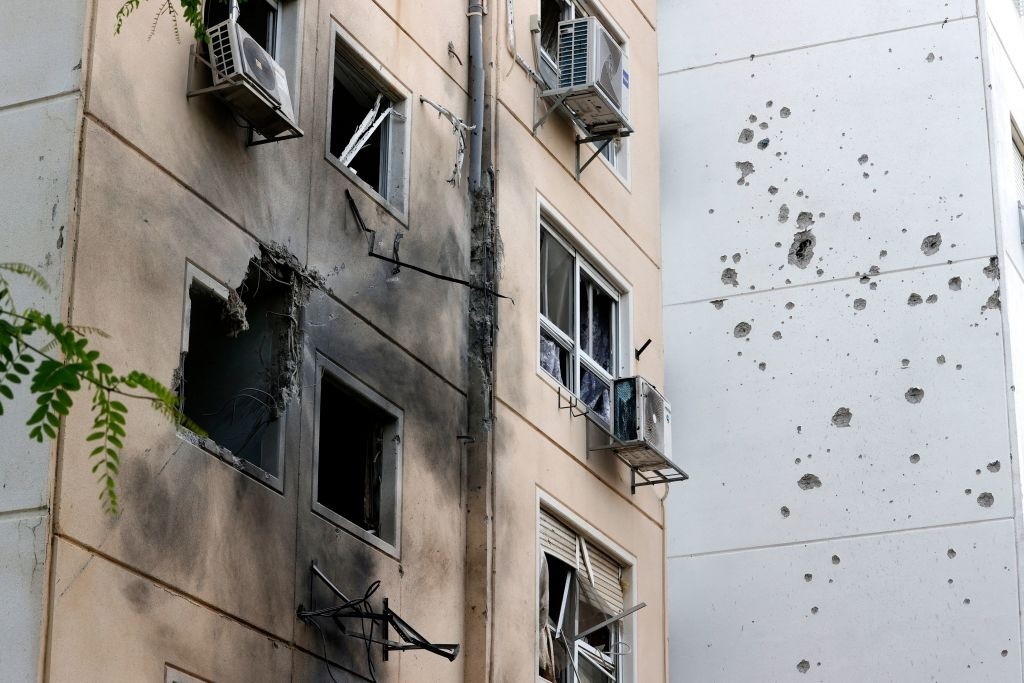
(191, 10)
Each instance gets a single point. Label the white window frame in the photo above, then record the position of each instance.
(194, 274)
(627, 562)
(586, 260)
(391, 486)
(399, 124)
(617, 159)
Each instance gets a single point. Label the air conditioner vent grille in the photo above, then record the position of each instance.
(220, 49)
(573, 41)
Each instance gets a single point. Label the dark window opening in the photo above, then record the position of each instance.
(231, 371)
(354, 97)
(551, 12)
(258, 18)
(354, 442)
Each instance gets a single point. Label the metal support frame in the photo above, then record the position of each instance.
(410, 638)
(251, 140)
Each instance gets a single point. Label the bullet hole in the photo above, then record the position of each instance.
(784, 213)
(804, 666)
(992, 269)
(931, 244)
(808, 482)
(741, 330)
(718, 303)
(930, 58)
(778, 244)
(784, 510)
(805, 220)
(773, 190)
(814, 610)
(866, 175)
(808, 577)
(955, 284)
(798, 430)
(729, 277)
(819, 272)
(790, 305)
(864, 279)
(745, 168)
(835, 559)
(915, 458)
(959, 367)
(711, 210)
(986, 499)
(784, 112)
(949, 581)
(859, 304)
(914, 395)
(746, 135)
(967, 492)
(863, 159)
(992, 302)
(768, 104)
(873, 270)
(752, 118)
(873, 286)
(736, 258)
(914, 299)
(776, 335)
(932, 298)
(883, 253)
(993, 466)
(941, 360)
(856, 216)
(1004, 653)
(951, 553)
(762, 366)
(977, 471)
(763, 125)
(723, 258)
(842, 417)
(905, 362)
(967, 601)
(763, 144)
(802, 250)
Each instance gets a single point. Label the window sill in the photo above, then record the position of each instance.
(210, 447)
(402, 216)
(360, 533)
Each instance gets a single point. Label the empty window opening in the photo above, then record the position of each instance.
(581, 594)
(367, 131)
(239, 364)
(357, 457)
(258, 18)
(552, 12)
(578, 325)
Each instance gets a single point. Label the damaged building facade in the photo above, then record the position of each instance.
(842, 187)
(393, 276)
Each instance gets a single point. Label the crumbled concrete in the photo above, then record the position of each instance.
(955, 284)
(914, 459)
(803, 666)
(993, 466)
(992, 269)
(986, 499)
(745, 168)
(802, 250)
(859, 304)
(784, 112)
(804, 220)
(784, 213)
(930, 244)
(914, 299)
(746, 136)
(863, 159)
(808, 482)
(842, 417)
(763, 144)
(992, 302)
(729, 277)
(773, 190)
(718, 303)
(914, 395)
(784, 510)
(932, 298)
(741, 330)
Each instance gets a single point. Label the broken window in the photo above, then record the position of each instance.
(258, 18)
(581, 608)
(367, 125)
(357, 457)
(238, 364)
(578, 324)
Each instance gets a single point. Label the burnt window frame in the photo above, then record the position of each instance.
(391, 486)
(580, 360)
(346, 52)
(194, 275)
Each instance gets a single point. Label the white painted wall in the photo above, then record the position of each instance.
(40, 67)
(891, 137)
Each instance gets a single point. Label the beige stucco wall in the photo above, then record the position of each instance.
(541, 451)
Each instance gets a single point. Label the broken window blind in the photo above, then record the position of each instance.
(557, 539)
(606, 577)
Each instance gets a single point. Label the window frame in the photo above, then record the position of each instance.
(196, 275)
(391, 495)
(395, 199)
(585, 261)
(628, 630)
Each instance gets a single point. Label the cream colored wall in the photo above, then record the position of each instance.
(204, 567)
(540, 448)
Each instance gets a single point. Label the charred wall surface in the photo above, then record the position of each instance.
(838, 362)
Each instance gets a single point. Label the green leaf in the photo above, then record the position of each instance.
(38, 415)
(6, 391)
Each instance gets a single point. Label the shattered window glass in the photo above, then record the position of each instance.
(596, 394)
(556, 295)
(555, 359)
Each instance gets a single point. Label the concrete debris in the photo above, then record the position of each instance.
(729, 277)
(745, 168)
(992, 302)
(802, 250)
(805, 220)
(992, 269)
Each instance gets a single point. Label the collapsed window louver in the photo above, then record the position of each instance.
(580, 590)
(578, 325)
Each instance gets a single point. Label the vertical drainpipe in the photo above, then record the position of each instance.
(481, 325)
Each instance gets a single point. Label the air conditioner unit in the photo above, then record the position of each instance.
(593, 71)
(641, 426)
(260, 86)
